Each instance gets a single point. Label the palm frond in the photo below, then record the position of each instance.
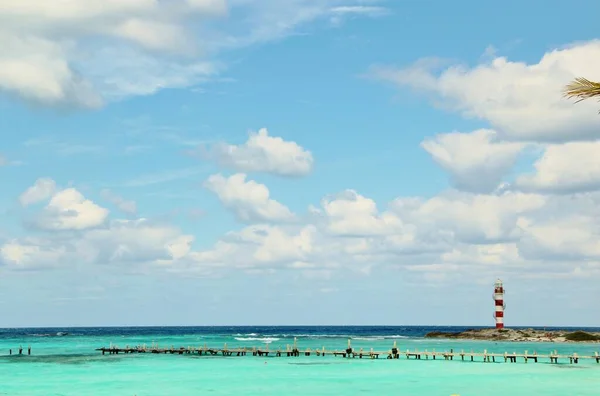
(582, 88)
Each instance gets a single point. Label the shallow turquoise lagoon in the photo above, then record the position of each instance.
(70, 366)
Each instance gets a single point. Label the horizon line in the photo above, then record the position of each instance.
(283, 326)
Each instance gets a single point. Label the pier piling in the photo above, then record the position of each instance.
(348, 352)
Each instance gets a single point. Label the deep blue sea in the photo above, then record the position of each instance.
(64, 362)
(274, 331)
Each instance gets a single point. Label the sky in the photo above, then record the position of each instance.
(297, 162)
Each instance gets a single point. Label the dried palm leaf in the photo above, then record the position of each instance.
(582, 89)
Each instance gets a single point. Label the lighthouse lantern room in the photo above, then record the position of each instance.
(499, 304)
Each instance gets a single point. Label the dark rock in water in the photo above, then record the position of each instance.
(581, 336)
(62, 334)
(441, 334)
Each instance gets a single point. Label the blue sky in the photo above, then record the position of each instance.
(409, 154)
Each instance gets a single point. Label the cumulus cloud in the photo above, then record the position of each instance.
(36, 69)
(437, 239)
(120, 241)
(139, 240)
(261, 246)
(470, 218)
(32, 253)
(67, 209)
(98, 240)
(41, 190)
(475, 230)
(521, 101)
(351, 214)
(456, 233)
(573, 238)
(524, 105)
(44, 48)
(492, 256)
(70, 210)
(248, 200)
(475, 161)
(565, 168)
(84, 53)
(264, 153)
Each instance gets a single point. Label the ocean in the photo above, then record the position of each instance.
(64, 362)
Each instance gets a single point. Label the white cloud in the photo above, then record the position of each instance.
(85, 53)
(475, 161)
(36, 69)
(521, 101)
(131, 73)
(264, 153)
(470, 218)
(137, 240)
(42, 190)
(261, 246)
(351, 214)
(341, 12)
(44, 46)
(69, 210)
(275, 245)
(249, 200)
(3, 160)
(565, 168)
(180, 246)
(457, 232)
(212, 6)
(360, 10)
(495, 227)
(120, 241)
(152, 35)
(491, 256)
(71, 11)
(477, 235)
(31, 253)
(437, 239)
(267, 21)
(570, 237)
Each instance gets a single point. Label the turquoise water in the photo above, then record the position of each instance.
(69, 365)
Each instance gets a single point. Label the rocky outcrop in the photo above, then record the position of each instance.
(518, 335)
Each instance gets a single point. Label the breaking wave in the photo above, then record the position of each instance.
(277, 337)
(266, 340)
(345, 336)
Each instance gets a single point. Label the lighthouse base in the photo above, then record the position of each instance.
(499, 325)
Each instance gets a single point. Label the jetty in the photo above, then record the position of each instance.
(349, 352)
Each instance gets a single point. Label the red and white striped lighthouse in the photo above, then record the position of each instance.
(499, 304)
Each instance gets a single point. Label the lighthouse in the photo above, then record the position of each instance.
(499, 304)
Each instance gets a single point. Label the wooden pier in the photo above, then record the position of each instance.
(349, 352)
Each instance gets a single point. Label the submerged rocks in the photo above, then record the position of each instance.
(441, 334)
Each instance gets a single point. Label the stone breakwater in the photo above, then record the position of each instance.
(518, 335)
